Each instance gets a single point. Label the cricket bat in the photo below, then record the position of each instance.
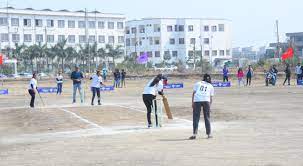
(167, 109)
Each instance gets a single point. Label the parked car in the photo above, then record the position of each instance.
(26, 75)
(3, 76)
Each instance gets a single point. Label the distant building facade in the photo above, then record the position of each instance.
(297, 42)
(250, 53)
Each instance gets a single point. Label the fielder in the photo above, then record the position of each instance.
(32, 90)
(202, 97)
(96, 85)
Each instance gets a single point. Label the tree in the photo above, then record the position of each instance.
(114, 52)
(60, 52)
(167, 57)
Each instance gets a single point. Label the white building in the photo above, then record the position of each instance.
(29, 26)
(178, 38)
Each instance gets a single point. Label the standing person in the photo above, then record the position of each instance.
(202, 97)
(225, 74)
(95, 86)
(287, 74)
(149, 94)
(240, 76)
(298, 72)
(116, 78)
(123, 75)
(249, 75)
(59, 80)
(32, 90)
(77, 77)
(104, 73)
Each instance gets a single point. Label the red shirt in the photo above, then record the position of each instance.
(240, 74)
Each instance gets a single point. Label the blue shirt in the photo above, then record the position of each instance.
(225, 72)
(76, 75)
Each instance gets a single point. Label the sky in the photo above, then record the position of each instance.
(253, 21)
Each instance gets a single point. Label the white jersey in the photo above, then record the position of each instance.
(96, 81)
(160, 86)
(203, 91)
(298, 70)
(150, 90)
(59, 79)
(32, 84)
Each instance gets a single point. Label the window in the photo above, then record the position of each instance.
(120, 25)
(61, 24)
(172, 41)
(111, 39)
(133, 42)
(214, 28)
(92, 24)
(157, 28)
(91, 39)
(175, 53)
(127, 31)
(134, 30)
(81, 24)
(71, 38)
(101, 39)
(221, 27)
(193, 41)
(190, 28)
(111, 25)
(141, 28)
(3, 21)
(27, 38)
(157, 40)
(100, 24)
(4, 37)
(38, 23)
(181, 40)
(214, 53)
(50, 38)
(120, 39)
(82, 38)
(71, 24)
(15, 21)
(206, 40)
(190, 54)
(127, 42)
(15, 37)
(149, 54)
(39, 38)
(227, 52)
(206, 53)
(27, 23)
(181, 28)
(221, 53)
(151, 41)
(169, 28)
(50, 23)
(61, 38)
(206, 28)
(157, 54)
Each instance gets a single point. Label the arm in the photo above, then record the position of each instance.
(192, 100)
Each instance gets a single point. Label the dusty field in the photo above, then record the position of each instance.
(253, 126)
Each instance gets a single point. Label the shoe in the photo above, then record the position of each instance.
(192, 137)
(99, 103)
(150, 125)
(81, 101)
(209, 136)
(92, 103)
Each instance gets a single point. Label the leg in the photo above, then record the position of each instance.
(58, 88)
(156, 115)
(99, 96)
(288, 80)
(147, 99)
(81, 92)
(61, 86)
(94, 94)
(227, 78)
(285, 80)
(249, 81)
(196, 117)
(74, 92)
(206, 113)
(223, 78)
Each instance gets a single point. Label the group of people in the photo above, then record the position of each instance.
(119, 78)
(240, 75)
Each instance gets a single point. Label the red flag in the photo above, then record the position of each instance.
(288, 54)
(1, 59)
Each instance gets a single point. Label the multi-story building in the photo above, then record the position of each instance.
(174, 39)
(296, 39)
(29, 26)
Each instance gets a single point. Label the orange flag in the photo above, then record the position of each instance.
(288, 54)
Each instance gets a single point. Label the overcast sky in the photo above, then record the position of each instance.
(253, 20)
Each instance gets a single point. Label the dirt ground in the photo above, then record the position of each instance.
(252, 126)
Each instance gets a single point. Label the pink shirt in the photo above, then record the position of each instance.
(240, 74)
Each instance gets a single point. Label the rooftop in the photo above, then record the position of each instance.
(184, 18)
(294, 34)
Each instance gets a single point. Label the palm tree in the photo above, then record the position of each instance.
(114, 52)
(101, 53)
(60, 52)
(31, 53)
(18, 51)
(70, 54)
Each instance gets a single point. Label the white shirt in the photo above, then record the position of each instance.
(160, 86)
(298, 70)
(150, 90)
(96, 81)
(59, 79)
(203, 91)
(33, 82)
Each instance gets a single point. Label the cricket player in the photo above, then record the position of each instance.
(32, 90)
(59, 80)
(149, 94)
(202, 97)
(96, 85)
(77, 77)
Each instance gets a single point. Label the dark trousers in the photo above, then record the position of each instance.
(248, 80)
(287, 78)
(148, 101)
(59, 88)
(96, 91)
(299, 77)
(33, 95)
(122, 82)
(196, 116)
(225, 78)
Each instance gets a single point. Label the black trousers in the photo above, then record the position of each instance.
(33, 95)
(287, 78)
(196, 116)
(148, 101)
(248, 80)
(96, 91)
(225, 78)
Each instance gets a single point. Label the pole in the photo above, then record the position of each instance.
(278, 40)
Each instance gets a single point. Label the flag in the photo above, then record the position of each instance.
(1, 59)
(288, 54)
(143, 58)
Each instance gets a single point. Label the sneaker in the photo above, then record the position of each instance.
(99, 103)
(192, 137)
(92, 103)
(150, 125)
(209, 136)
